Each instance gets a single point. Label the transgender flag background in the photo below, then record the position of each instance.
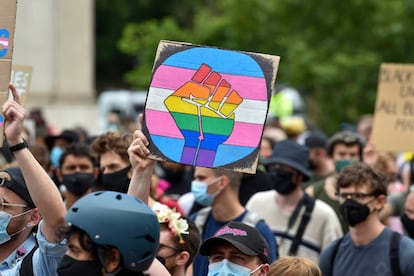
(214, 131)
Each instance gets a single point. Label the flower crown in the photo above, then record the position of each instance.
(177, 225)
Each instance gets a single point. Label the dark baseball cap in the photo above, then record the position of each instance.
(17, 184)
(245, 238)
(316, 139)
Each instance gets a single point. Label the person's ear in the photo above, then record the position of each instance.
(35, 217)
(182, 258)
(380, 202)
(112, 260)
(264, 270)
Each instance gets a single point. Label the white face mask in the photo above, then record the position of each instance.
(227, 268)
(4, 222)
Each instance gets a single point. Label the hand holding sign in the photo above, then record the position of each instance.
(203, 110)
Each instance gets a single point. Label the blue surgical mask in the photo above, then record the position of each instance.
(4, 222)
(55, 155)
(227, 268)
(199, 190)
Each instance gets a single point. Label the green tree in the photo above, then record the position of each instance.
(330, 50)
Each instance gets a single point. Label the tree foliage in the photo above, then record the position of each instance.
(330, 50)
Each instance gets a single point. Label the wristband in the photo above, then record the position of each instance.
(19, 146)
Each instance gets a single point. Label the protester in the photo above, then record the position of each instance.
(407, 219)
(294, 266)
(369, 248)
(218, 190)
(19, 217)
(301, 225)
(236, 249)
(179, 241)
(111, 149)
(77, 172)
(320, 163)
(58, 143)
(344, 147)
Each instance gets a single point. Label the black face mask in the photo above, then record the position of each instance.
(354, 212)
(117, 181)
(282, 181)
(78, 183)
(69, 267)
(408, 225)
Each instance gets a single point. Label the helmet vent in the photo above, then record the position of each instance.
(118, 196)
(149, 238)
(75, 209)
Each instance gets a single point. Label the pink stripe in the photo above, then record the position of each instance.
(169, 77)
(161, 123)
(244, 134)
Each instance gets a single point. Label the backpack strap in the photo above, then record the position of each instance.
(26, 268)
(251, 219)
(310, 204)
(201, 218)
(333, 256)
(394, 254)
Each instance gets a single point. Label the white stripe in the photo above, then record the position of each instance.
(249, 111)
(4, 43)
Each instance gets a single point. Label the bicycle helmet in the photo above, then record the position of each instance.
(119, 220)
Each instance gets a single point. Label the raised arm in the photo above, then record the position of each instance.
(42, 189)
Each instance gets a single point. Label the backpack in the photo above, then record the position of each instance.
(394, 254)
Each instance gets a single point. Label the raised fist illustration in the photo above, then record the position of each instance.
(203, 109)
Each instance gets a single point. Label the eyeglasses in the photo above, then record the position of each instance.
(355, 196)
(5, 204)
(167, 246)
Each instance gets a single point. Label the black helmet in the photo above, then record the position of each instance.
(119, 220)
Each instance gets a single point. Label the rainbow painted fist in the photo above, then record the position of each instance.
(203, 109)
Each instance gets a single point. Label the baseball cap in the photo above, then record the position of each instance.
(316, 139)
(245, 238)
(68, 135)
(17, 184)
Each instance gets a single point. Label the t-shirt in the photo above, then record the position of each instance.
(323, 226)
(370, 259)
(211, 226)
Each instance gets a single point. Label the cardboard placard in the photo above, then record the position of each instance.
(207, 106)
(393, 127)
(7, 23)
(21, 77)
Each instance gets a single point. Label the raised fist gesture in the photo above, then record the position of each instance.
(203, 109)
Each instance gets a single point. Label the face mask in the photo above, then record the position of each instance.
(227, 268)
(78, 183)
(4, 222)
(199, 190)
(282, 181)
(55, 155)
(69, 266)
(340, 164)
(117, 181)
(408, 225)
(354, 212)
(163, 261)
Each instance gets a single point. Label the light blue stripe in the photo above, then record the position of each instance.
(172, 148)
(221, 61)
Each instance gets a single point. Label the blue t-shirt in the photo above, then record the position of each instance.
(211, 226)
(370, 259)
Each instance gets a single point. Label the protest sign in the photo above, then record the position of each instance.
(207, 106)
(21, 77)
(393, 127)
(7, 24)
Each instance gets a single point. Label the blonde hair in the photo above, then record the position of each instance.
(294, 266)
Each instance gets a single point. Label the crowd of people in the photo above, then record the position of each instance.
(76, 204)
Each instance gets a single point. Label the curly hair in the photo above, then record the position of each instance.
(113, 141)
